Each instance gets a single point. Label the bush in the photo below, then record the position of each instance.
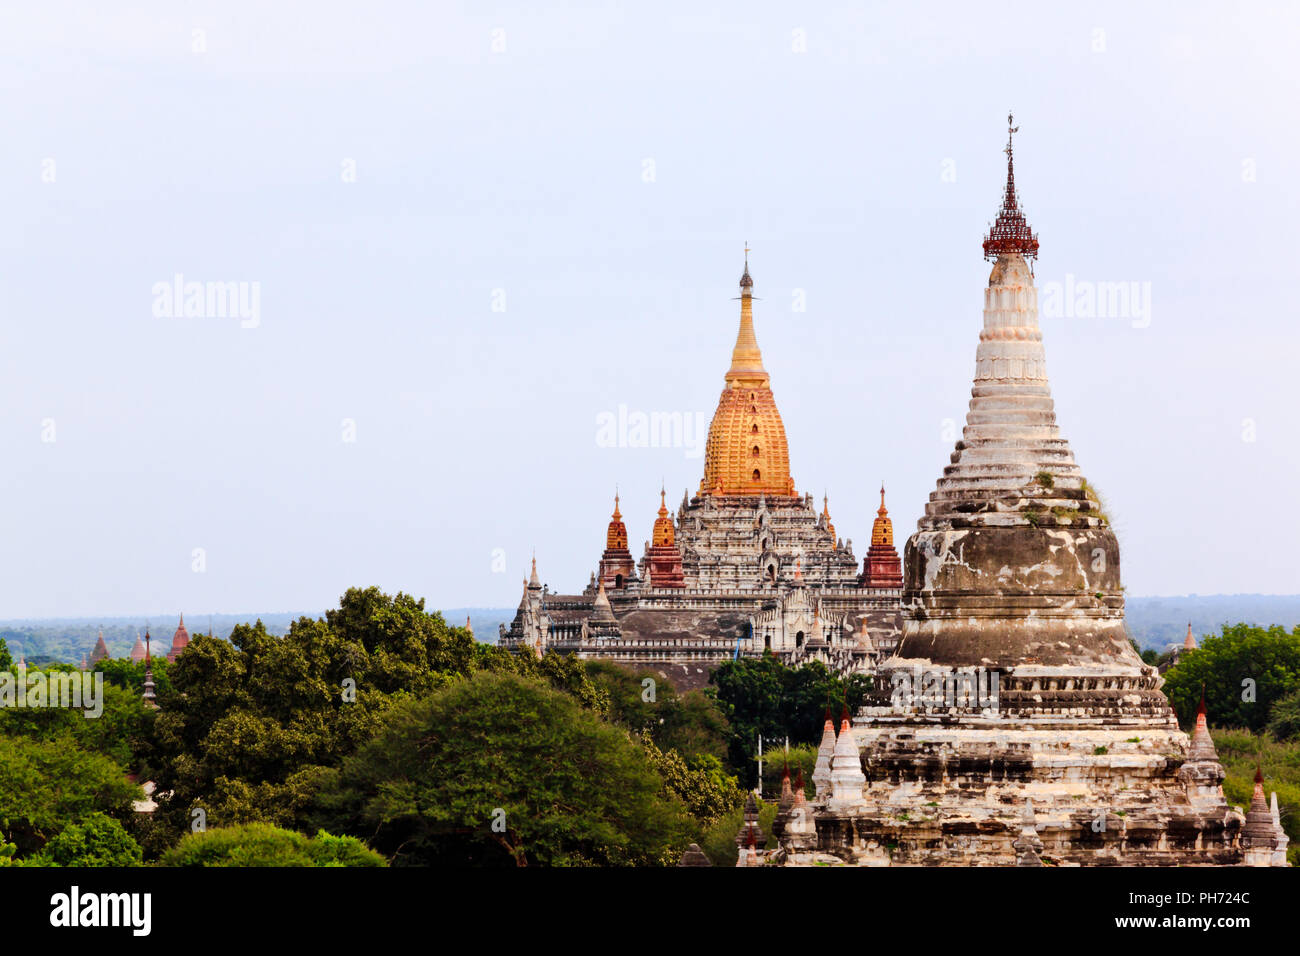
(260, 844)
(99, 840)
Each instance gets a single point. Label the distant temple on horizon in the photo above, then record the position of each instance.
(746, 565)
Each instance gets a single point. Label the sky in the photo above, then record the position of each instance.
(460, 237)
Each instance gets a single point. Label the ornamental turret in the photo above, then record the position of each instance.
(821, 776)
(180, 641)
(746, 452)
(663, 559)
(847, 778)
(137, 652)
(882, 568)
(1258, 836)
(617, 566)
(1283, 841)
(101, 650)
(1202, 774)
(149, 694)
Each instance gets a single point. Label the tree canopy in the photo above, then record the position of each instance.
(1244, 670)
(762, 696)
(501, 769)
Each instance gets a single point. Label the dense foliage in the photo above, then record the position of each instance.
(379, 734)
(499, 769)
(1244, 670)
(260, 844)
(762, 696)
(1241, 752)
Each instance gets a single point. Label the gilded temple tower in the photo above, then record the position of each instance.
(617, 567)
(745, 566)
(746, 453)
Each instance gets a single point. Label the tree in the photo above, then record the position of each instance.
(1284, 718)
(701, 782)
(719, 843)
(260, 844)
(250, 723)
(250, 727)
(1244, 670)
(119, 732)
(6, 659)
(763, 696)
(129, 675)
(501, 769)
(98, 840)
(691, 723)
(45, 785)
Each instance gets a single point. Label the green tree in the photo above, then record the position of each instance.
(249, 727)
(1284, 718)
(260, 844)
(6, 660)
(691, 724)
(119, 732)
(250, 723)
(800, 757)
(701, 782)
(129, 675)
(46, 785)
(763, 696)
(719, 842)
(98, 840)
(502, 769)
(1241, 661)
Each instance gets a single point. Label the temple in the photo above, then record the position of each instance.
(1015, 724)
(746, 564)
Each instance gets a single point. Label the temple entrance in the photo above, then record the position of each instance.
(618, 580)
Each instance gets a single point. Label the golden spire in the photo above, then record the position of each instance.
(746, 453)
(616, 535)
(882, 530)
(663, 531)
(746, 360)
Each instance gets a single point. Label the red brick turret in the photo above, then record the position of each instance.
(180, 641)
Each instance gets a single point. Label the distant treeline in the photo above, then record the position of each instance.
(1154, 622)
(1157, 622)
(67, 639)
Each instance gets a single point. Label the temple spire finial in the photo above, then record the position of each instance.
(1010, 234)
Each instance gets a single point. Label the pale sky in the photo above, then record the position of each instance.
(475, 228)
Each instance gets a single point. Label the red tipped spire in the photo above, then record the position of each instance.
(1010, 234)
